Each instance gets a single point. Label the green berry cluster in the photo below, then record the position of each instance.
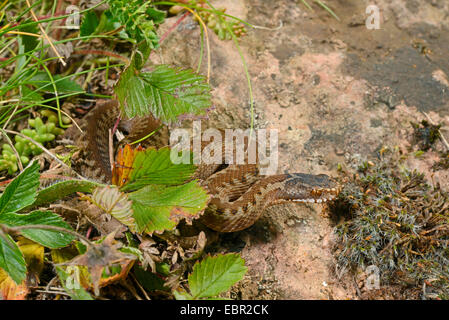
(40, 132)
(219, 25)
(213, 22)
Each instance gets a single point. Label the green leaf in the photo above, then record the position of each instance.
(182, 295)
(138, 17)
(43, 83)
(150, 281)
(30, 95)
(115, 203)
(157, 16)
(21, 192)
(89, 24)
(28, 42)
(109, 23)
(216, 274)
(25, 43)
(158, 208)
(152, 166)
(47, 238)
(62, 189)
(165, 92)
(11, 258)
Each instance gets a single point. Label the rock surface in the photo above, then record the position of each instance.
(336, 92)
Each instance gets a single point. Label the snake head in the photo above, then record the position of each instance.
(302, 187)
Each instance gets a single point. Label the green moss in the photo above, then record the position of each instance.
(398, 222)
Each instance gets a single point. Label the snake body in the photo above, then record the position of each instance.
(239, 194)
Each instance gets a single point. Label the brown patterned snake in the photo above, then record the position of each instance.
(239, 193)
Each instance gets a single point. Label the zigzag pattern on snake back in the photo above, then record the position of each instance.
(239, 193)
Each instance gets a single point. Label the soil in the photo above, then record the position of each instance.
(336, 92)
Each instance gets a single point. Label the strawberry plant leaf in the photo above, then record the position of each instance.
(21, 192)
(165, 92)
(115, 203)
(153, 166)
(11, 258)
(89, 24)
(47, 238)
(62, 189)
(158, 208)
(214, 275)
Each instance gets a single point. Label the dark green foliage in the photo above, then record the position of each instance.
(138, 18)
(399, 223)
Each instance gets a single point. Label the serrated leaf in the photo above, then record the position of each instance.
(115, 203)
(11, 259)
(165, 92)
(151, 166)
(158, 208)
(215, 275)
(89, 24)
(21, 192)
(47, 238)
(62, 189)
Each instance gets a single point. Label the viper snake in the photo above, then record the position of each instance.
(239, 194)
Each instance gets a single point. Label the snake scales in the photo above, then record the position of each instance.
(239, 193)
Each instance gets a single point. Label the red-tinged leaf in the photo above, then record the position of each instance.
(158, 208)
(124, 164)
(136, 168)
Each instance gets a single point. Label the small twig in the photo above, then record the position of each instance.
(46, 35)
(147, 136)
(25, 34)
(141, 288)
(8, 101)
(164, 36)
(111, 148)
(103, 53)
(117, 121)
(53, 292)
(207, 39)
(281, 24)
